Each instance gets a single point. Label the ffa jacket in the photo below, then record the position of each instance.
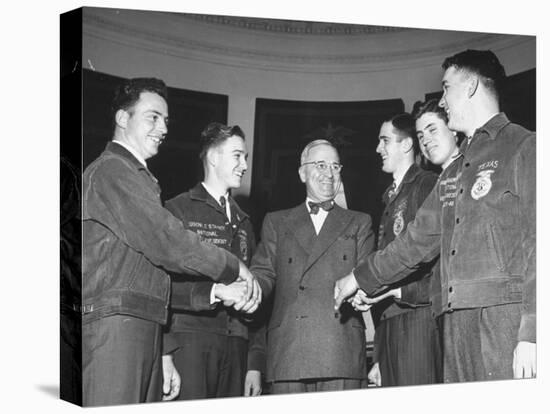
(305, 338)
(400, 209)
(129, 241)
(190, 300)
(481, 217)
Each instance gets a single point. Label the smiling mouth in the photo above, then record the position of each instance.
(156, 139)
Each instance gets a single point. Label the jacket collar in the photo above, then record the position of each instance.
(490, 130)
(199, 193)
(493, 126)
(411, 174)
(119, 150)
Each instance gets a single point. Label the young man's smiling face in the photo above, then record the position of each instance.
(437, 141)
(144, 125)
(390, 148)
(230, 162)
(455, 97)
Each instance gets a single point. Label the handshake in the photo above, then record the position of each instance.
(244, 294)
(347, 289)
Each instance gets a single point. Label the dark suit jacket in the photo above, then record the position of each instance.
(305, 337)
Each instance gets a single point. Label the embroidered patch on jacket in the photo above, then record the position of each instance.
(483, 184)
(243, 245)
(398, 223)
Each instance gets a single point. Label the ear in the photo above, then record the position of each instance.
(406, 144)
(302, 173)
(473, 84)
(121, 118)
(211, 157)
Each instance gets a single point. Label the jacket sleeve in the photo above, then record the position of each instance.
(131, 209)
(263, 261)
(191, 295)
(365, 239)
(419, 243)
(257, 344)
(417, 293)
(525, 176)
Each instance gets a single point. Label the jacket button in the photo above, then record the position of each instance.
(467, 164)
(290, 260)
(461, 190)
(450, 289)
(302, 288)
(345, 257)
(449, 304)
(453, 252)
(457, 220)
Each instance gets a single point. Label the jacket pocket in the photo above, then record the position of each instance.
(494, 244)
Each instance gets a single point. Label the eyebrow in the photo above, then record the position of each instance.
(156, 112)
(431, 124)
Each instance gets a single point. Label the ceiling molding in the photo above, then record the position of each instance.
(162, 39)
(291, 26)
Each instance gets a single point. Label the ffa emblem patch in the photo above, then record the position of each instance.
(482, 185)
(244, 247)
(398, 223)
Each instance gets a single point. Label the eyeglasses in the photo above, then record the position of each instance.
(323, 166)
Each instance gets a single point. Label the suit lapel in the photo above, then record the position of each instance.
(300, 225)
(334, 225)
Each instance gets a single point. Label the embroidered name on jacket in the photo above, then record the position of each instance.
(448, 191)
(210, 233)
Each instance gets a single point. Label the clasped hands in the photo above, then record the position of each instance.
(244, 294)
(348, 289)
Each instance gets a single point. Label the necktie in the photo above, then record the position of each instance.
(223, 203)
(325, 205)
(393, 190)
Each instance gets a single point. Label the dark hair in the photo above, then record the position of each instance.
(431, 105)
(127, 94)
(216, 133)
(483, 63)
(404, 125)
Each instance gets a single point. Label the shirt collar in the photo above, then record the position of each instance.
(215, 195)
(131, 151)
(407, 176)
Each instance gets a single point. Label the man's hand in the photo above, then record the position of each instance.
(232, 293)
(248, 278)
(374, 375)
(525, 360)
(343, 289)
(360, 301)
(252, 304)
(253, 383)
(171, 380)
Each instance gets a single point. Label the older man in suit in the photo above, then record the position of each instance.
(301, 253)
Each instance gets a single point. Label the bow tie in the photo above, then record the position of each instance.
(325, 205)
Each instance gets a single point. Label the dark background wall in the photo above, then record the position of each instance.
(281, 130)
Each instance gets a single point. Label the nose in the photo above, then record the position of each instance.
(379, 147)
(244, 165)
(161, 125)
